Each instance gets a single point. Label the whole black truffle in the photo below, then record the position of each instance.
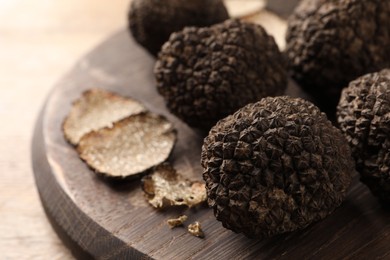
(205, 74)
(275, 166)
(364, 117)
(151, 22)
(330, 43)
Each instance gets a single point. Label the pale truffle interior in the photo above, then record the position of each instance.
(130, 147)
(96, 109)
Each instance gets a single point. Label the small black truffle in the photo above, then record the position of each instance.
(205, 74)
(330, 43)
(275, 166)
(151, 22)
(364, 117)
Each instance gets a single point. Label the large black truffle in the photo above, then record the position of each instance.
(330, 43)
(275, 166)
(151, 22)
(364, 117)
(205, 74)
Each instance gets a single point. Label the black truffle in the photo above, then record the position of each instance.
(364, 117)
(205, 74)
(151, 22)
(330, 43)
(275, 166)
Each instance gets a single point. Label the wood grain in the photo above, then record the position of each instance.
(113, 220)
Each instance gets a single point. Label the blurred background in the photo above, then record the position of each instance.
(40, 40)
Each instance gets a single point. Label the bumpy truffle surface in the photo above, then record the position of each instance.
(275, 166)
(205, 74)
(151, 22)
(364, 117)
(330, 43)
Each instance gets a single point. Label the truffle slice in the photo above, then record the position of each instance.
(364, 117)
(330, 43)
(275, 166)
(205, 74)
(151, 22)
(164, 187)
(132, 146)
(96, 109)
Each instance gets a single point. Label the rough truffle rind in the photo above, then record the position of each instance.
(275, 166)
(151, 22)
(330, 43)
(205, 74)
(364, 117)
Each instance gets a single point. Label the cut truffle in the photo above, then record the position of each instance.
(164, 187)
(132, 146)
(205, 74)
(364, 117)
(151, 22)
(330, 43)
(96, 109)
(275, 166)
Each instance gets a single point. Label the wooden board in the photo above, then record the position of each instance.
(113, 221)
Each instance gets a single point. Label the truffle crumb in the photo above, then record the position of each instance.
(196, 230)
(177, 222)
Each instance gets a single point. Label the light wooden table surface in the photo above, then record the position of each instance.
(39, 41)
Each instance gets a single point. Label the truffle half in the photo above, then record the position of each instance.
(205, 74)
(151, 22)
(364, 117)
(275, 166)
(330, 43)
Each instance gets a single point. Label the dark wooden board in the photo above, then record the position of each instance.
(113, 220)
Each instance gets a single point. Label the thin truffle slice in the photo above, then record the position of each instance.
(96, 109)
(364, 117)
(166, 188)
(132, 146)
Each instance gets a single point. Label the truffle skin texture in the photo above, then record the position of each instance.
(275, 166)
(330, 43)
(205, 74)
(364, 117)
(151, 22)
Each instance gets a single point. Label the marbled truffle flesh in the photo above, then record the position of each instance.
(151, 22)
(275, 166)
(364, 117)
(330, 43)
(205, 74)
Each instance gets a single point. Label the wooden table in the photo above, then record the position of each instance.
(39, 41)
